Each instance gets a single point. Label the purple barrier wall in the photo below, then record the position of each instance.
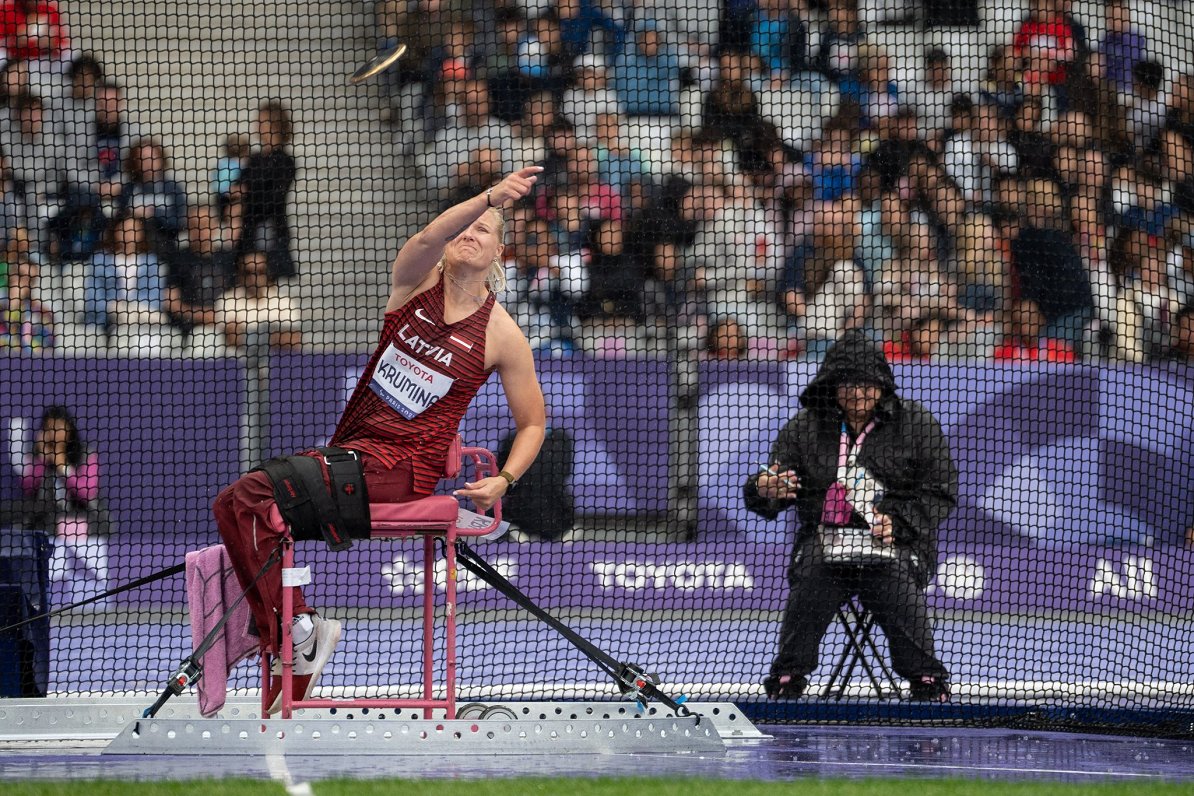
(166, 432)
(1047, 456)
(709, 576)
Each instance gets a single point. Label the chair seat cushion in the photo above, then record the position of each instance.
(435, 511)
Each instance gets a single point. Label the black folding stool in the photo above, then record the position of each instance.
(860, 650)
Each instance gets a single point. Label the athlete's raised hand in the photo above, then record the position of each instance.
(514, 186)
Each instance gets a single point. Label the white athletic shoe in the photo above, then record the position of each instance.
(309, 659)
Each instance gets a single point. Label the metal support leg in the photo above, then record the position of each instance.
(286, 642)
(428, 622)
(865, 641)
(450, 622)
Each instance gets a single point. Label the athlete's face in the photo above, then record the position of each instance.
(478, 245)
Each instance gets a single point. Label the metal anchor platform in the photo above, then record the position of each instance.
(691, 735)
(481, 728)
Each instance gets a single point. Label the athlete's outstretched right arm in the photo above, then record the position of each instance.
(420, 254)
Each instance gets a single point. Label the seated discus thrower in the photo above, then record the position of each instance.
(427, 518)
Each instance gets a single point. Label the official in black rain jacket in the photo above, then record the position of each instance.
(871, 478)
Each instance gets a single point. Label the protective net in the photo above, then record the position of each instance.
(200, 214)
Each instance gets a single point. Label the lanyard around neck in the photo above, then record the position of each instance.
(846, 452)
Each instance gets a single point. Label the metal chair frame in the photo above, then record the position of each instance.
(426, 519)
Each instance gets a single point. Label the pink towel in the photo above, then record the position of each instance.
(212, 587)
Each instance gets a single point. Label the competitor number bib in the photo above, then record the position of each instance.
(407, 385)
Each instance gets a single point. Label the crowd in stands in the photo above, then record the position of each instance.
(742, 178)
(752, 178)
(103, 245)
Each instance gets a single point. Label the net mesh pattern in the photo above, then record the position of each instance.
(200, 212)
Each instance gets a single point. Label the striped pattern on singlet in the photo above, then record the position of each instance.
(417, 354)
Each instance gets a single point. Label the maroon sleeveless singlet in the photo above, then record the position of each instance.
(417, 386)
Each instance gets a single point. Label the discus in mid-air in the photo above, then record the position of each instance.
(378, 64)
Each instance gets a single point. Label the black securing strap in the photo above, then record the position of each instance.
(306, 502)
(327, 513)
(348, 487)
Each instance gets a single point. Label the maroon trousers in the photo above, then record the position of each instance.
(242, 515)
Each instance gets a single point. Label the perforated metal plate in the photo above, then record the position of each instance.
(103, 718)
(422, 737)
